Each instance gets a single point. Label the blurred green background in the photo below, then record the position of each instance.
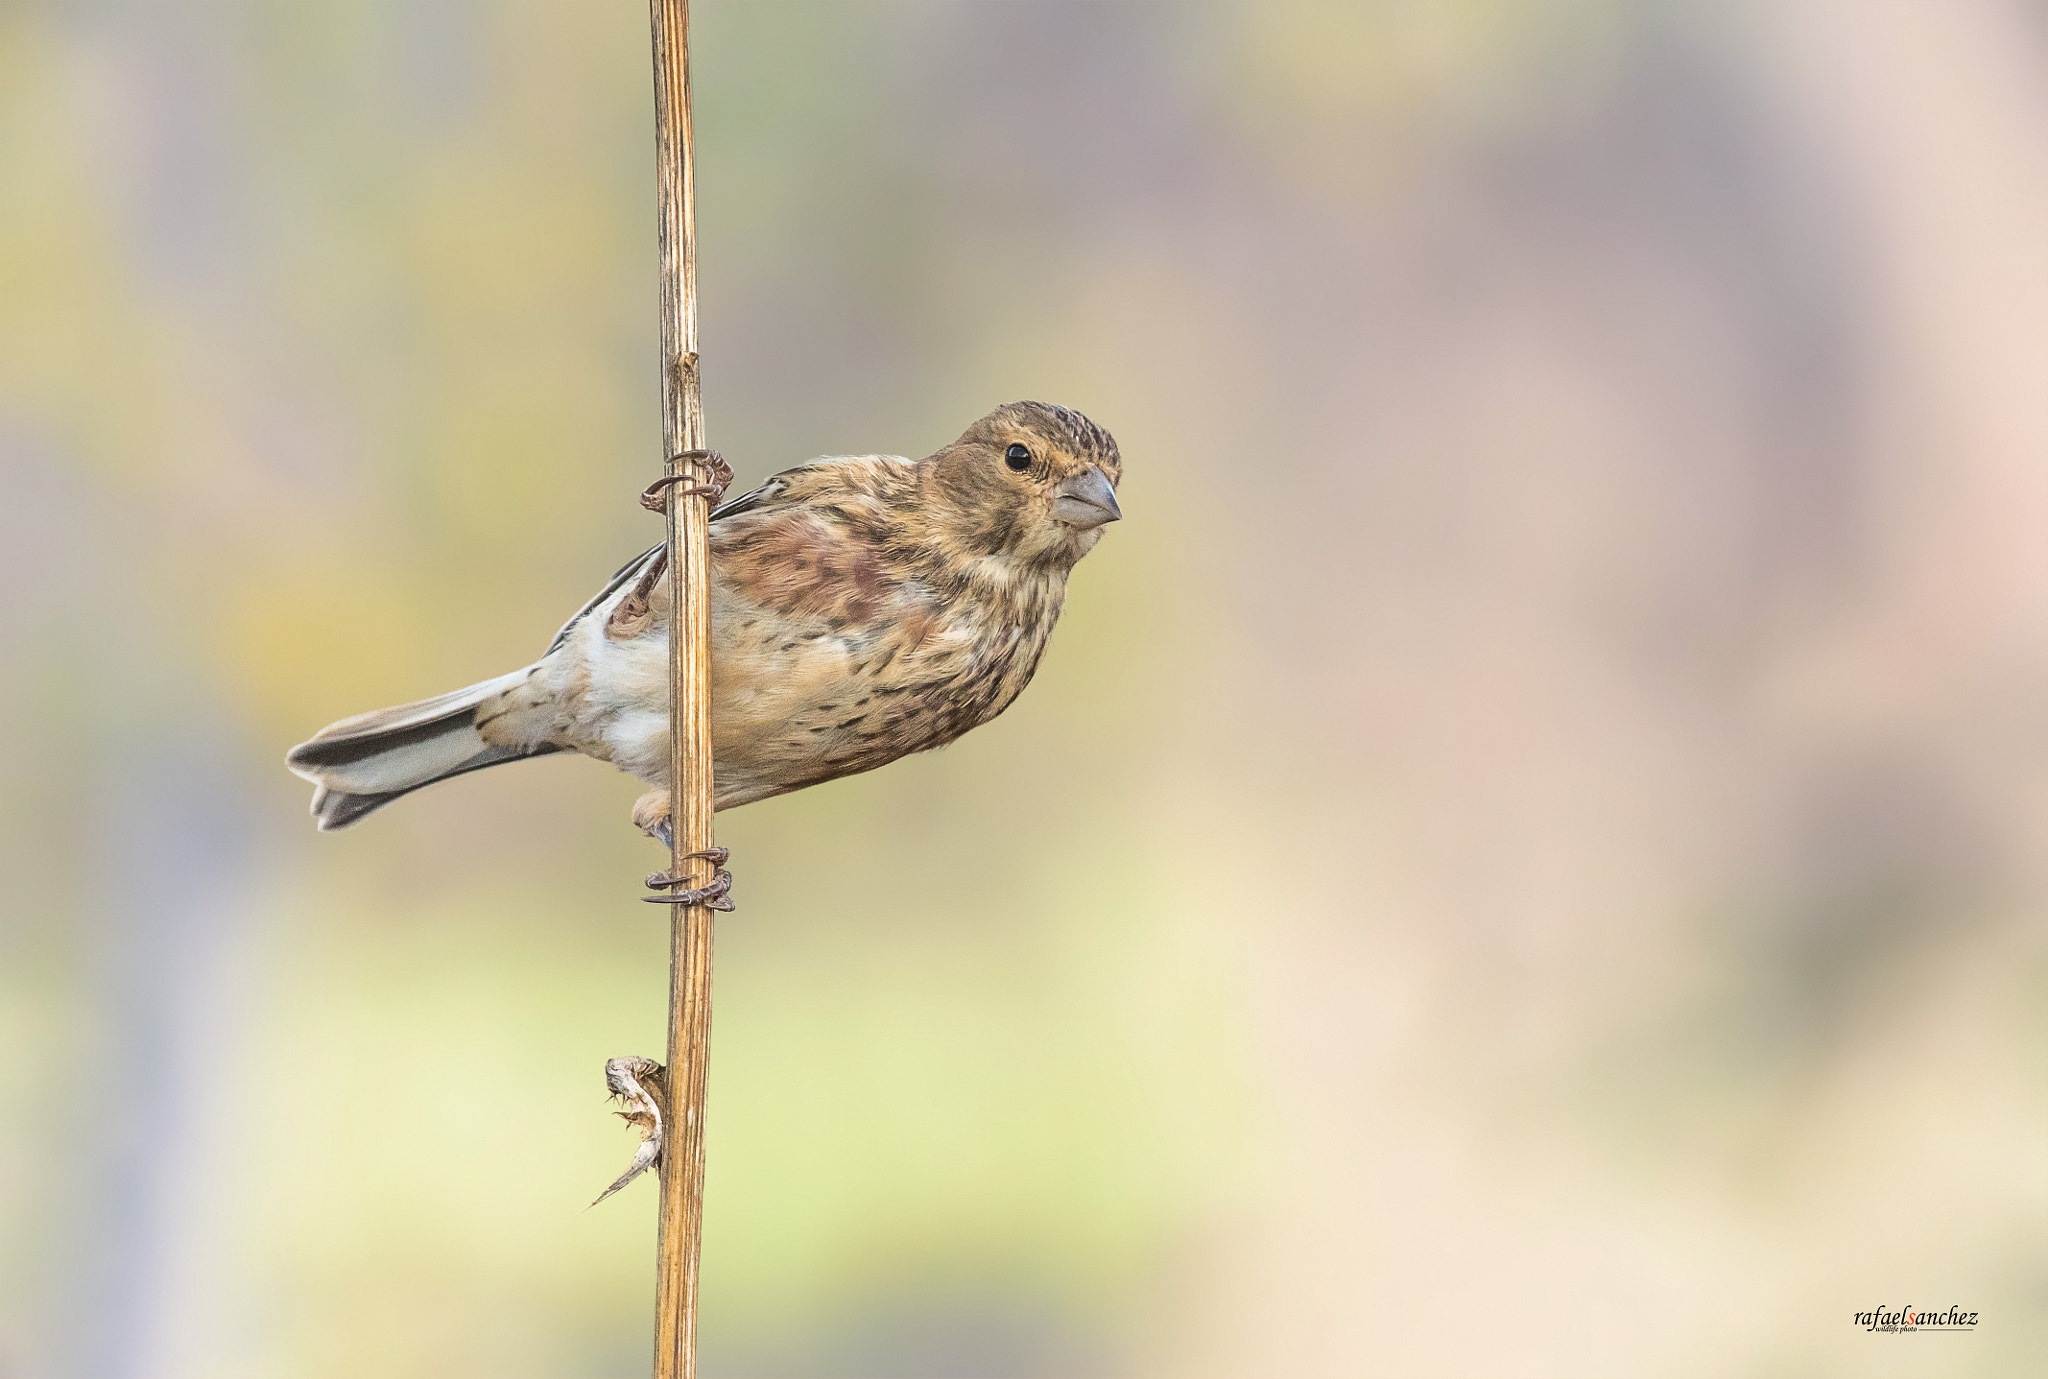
(1527, 855)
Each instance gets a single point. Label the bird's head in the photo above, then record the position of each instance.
(1029, 482)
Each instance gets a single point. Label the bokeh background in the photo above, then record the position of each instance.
(1527, 855)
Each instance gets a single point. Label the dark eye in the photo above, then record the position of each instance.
(1017, 458)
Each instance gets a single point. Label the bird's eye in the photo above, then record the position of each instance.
(1018, 458)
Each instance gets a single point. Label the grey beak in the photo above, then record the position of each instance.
(1086, 500)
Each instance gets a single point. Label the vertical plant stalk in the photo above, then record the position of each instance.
(689, 641)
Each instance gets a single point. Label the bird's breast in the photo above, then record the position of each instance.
(795, 702)
(803, 691)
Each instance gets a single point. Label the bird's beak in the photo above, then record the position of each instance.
(1086, 500)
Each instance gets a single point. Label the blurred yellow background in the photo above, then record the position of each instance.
(1525, 857)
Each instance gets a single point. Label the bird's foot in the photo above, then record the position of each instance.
(642, 1084)
(716, 895)
(651, 817)
(655, 499)
(717, 857)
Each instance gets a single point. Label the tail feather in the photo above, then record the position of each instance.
(362, 763)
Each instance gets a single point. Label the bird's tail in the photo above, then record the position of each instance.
(363, 763)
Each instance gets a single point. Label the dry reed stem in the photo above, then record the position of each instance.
(689, 563)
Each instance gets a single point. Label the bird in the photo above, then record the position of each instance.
(863, 607)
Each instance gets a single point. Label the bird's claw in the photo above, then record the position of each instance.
(654, 499)
(717, 895)
(717, 857)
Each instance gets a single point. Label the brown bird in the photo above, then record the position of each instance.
(864, 607)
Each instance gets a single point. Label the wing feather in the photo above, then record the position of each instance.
(753, 499)
(627, 573)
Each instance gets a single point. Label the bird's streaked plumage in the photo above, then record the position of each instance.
(863, 607)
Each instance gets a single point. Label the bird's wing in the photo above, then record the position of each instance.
(762, 497)
(628, 572)
(768, 495)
